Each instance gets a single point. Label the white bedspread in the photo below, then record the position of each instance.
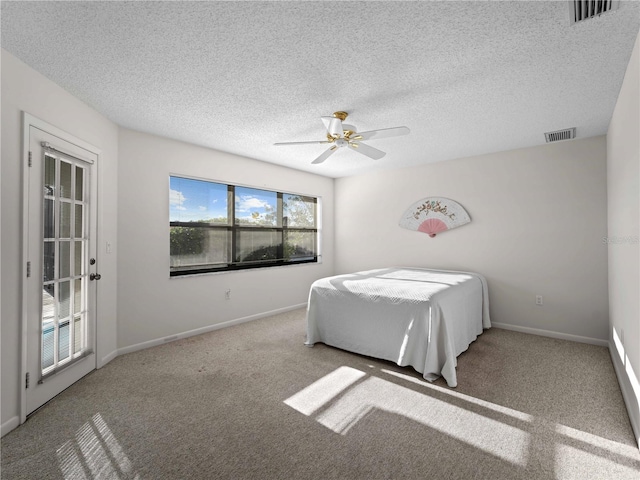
(410, 316)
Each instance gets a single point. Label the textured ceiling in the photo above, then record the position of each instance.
(466, 77)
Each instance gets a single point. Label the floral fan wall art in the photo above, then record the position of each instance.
(433, 215)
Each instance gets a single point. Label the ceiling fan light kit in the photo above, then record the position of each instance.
(342, 135)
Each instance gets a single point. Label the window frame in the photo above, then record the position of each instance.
(233, 229)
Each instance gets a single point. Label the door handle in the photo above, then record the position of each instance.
(95, 276)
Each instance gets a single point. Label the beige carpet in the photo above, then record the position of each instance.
(252, 402)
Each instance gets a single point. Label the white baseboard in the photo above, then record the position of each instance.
(630, 400)
(107, 358)
(9, 425)
(209, 328)
(552, 334)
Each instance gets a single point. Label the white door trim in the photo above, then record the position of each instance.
(27, 122)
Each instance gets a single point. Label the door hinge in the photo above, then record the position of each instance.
(27, 381)
(29, 158)
(28, 269)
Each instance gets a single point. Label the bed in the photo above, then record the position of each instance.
(411, 316)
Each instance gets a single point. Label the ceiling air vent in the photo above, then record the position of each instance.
(580, 10)
(558, 135)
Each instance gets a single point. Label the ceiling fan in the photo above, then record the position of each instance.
(342, 135)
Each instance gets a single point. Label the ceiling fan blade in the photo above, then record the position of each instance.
(325, 155)
(367, 150)
(302, 143)
(382, 133)
(334, 126)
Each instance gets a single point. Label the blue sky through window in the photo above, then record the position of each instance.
(196, 200)
(193, 200)
(257, 207)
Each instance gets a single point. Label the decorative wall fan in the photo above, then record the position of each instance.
(341, 135)
(433, 215)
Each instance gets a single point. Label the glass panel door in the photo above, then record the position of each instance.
(64, 262)
(61, 253)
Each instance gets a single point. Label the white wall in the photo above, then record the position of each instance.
(151, 305)
(538, 218)
(623, 177)
(23, 89)
(538, 223)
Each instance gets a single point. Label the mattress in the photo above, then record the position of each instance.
(411, 316)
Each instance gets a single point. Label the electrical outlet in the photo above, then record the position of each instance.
(539, 300)
(227, 294)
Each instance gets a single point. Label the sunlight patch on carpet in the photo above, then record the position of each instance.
(94, 454)
(355, 402)
(324, 390)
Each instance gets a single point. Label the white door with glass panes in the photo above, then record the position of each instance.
(61, 277)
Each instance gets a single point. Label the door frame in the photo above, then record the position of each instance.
(28, 121)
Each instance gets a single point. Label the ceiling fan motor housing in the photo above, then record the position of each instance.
(340, 135)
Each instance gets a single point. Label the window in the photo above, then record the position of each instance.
(218, 227)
